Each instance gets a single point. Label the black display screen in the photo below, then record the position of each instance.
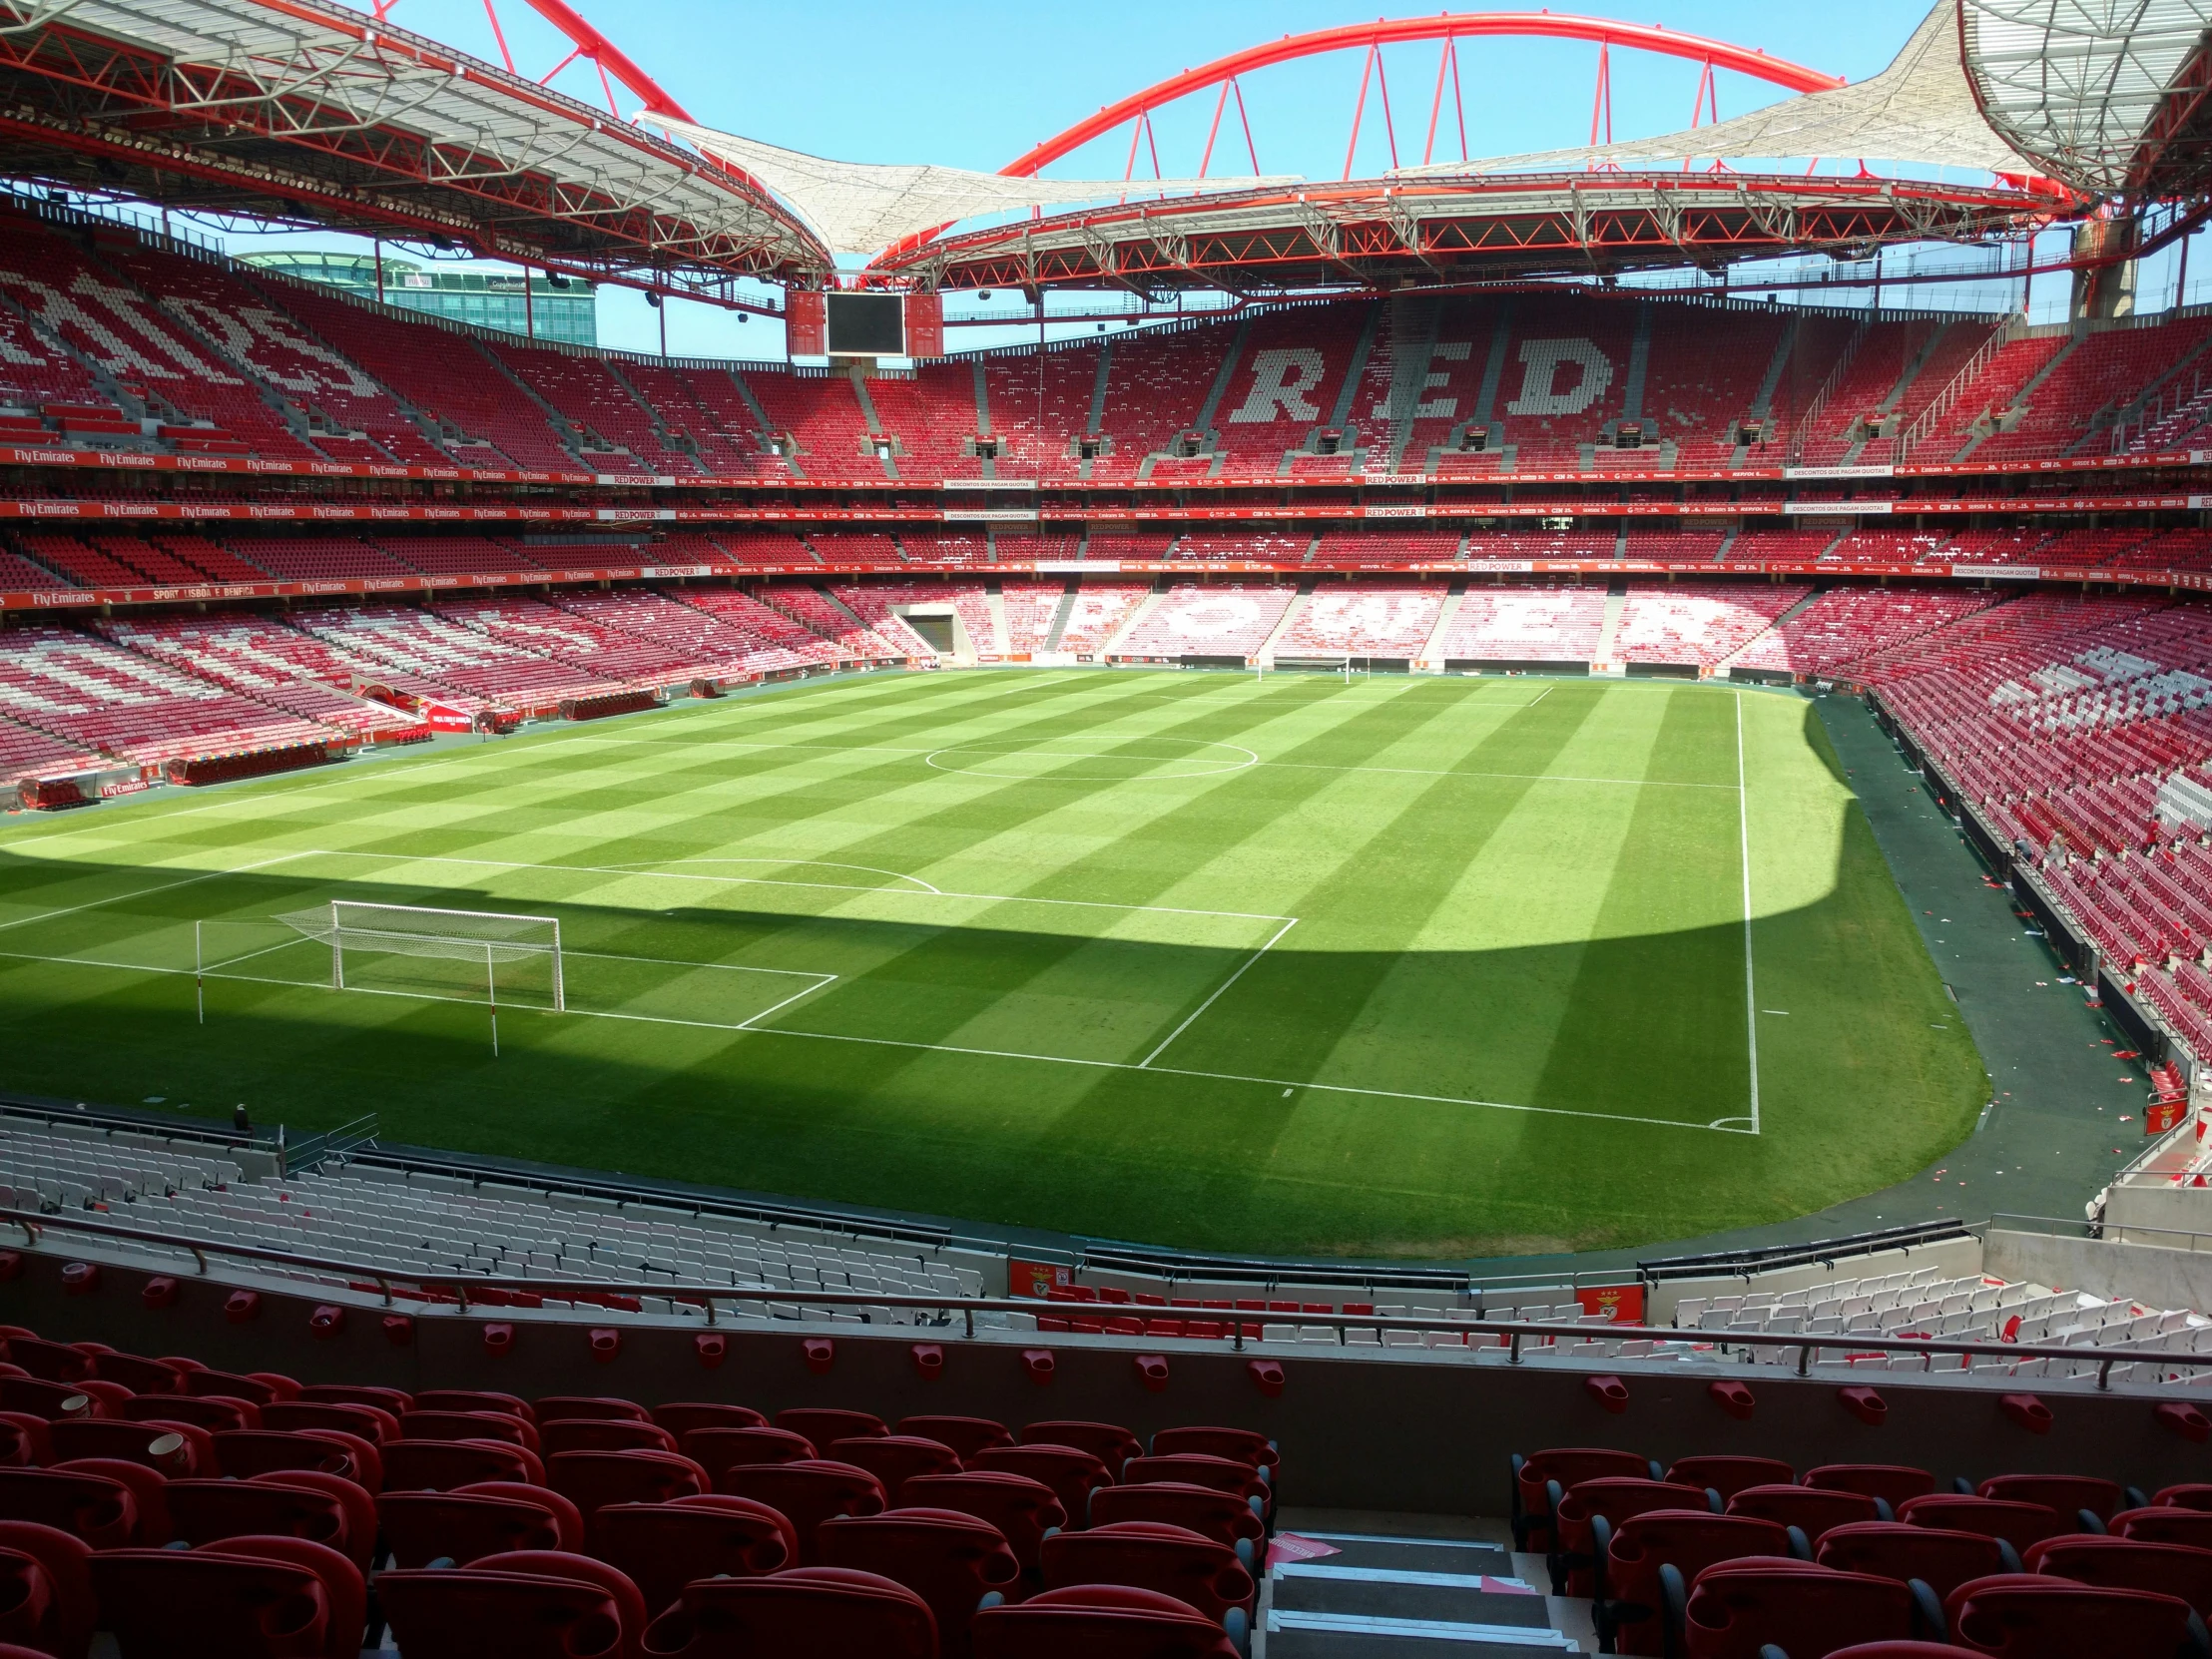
(868, 325)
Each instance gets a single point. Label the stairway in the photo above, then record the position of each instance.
(1454, 597)
(1344, 1585)
(1265, 655)
(1616, 601)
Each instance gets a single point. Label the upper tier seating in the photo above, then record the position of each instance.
(1225, 619)
(592, 396)
(319, 558)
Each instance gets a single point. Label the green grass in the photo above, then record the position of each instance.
(1510, 1014)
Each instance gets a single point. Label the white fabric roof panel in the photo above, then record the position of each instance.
(863, 207)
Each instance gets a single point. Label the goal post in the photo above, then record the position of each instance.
(485, 939)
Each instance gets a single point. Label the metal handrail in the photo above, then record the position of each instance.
(1518, 1333)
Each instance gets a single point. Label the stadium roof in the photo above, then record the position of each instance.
(1920, 113)
(2107, 95)
(863, 207)
(309, 112)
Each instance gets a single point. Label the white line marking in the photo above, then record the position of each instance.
(650, 866)
(820, 980)
(146, 892)
(1216, 997)
(1751, 987)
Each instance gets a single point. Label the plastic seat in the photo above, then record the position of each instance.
(1737, 1608)
(1109, 1443)
(2189, 1494)
(59, 1616)
(442, 1465)
(357, 1505)
(2018, 1524)
(1229, 1474)
(823, 1424)
(155, 1447)
(149, 1492)
(261, 1386)
(593, 1479)
(558, 1565)
(680, 1417)
(1631, 1605)
(212, 1415)
(2035, 1617)
(370, 1423)
(965, 1436)
(259, 1451)
(1728, 1474)
(807, 1494)
(1891, 1483)
(345, 1590)
(394, 1401)
(208, 1511)
(2130, 1565)
(1574, 1559)
(1247, 1445)
(717, 1448)
(602, 1434)
(1072, 1473)
(587, 1409)
(664, 1547)
(1153, 1555)
(1212, 1514)
(1940, 1558)
(1812, 1512)
(2165, 1524)
(1531, 1509)
(895, 1459)
(229, 1601)
(472, 1399)
(467, 1612)
(1022, 1510)
(93, 1507)
(2066, 1496)
(1100, 1621)
(951, 1560)
(470, 1525)
(821, 1612)
(419, 1424)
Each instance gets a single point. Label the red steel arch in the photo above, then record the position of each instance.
(1447, 27)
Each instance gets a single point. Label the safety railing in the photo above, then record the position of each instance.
(1517, 1337)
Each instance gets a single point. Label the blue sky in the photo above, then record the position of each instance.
(881, 82)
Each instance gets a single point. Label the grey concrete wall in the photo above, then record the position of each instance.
(2149, 1273)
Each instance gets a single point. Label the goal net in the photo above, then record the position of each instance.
(419, 951)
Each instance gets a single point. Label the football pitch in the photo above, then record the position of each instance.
(1405, 966)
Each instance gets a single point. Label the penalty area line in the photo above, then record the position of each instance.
(1146, 1062)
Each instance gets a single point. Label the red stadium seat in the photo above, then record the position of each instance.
(227, 1602)
(2165, 1524)
(1530, 1508)
(1153, 1556)
(2034, 1616)
(664, 1547)
(2018, 1524)
(1940, 1559)
(1573, 1560)
(258, 1451)
(344, 1591)
(717, 1448)
(1212, 1515)
(1811, 1511)
(422, 1425)
(1100, 1621)
(1022, 1510)
(593, 1479)
(823, 1424)
(965, 1436)
(473, 1400)
(895, 1459)
(370, 1423)
(2065, 1496)
(681, 1418)
(149, 1492)
(2130, 1565)
(587, 1407)
(208, 1511)
(603, 1435)
(807, 1493)
(1894, 1483)
(951, 1560)
(93, 1507)
(467, 1612)
(59, 1617)
(1728, 1474)
(158, 1448)
(395, 1401)
(211, 1415)
(442, 1465)
(1247, 1445)
(1112, 1444)
(1631, 1605)
(1072, 1473)
(822, 1612)
(559, 1564)
(1737, 1608)
(470, 1525)
(2188, 1496)
(1230, 1474)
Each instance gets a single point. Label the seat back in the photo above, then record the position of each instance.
(680, 1417)
(561, 1566)
(895, 1459)
(2165, 1524)
(372, 1424)
(1569, 1466)
(602, 1434)
(2018, 1524)
(1022, 1510)
(822, 1612)
(1247, 1445)
(716, 1448)
(464, 1613)
(442, 1465)
(823, 1424)
(587, 1407)
(664, 1547)
(2066, 1496)
(194, 1604)
(593, 1479)
(1728, 1474)
(1109, 1443)
(71, 1615)
(215, 1416)
(1218, 1516)
(345, 1590)
(1152, 1555)
(1072, 1473)
(158, 1448)
(807, 1494)
(951, 1560)
(1811, 1510)
(2035, 1617)
(250, 1451)
(2130, 1565)
(466, 1526)
(1100, 1621)
(420, 1424)
(1739, 1607)
(93, 1507)
(1941, 1558)
(472, 1399)
(1891, 1483)
(1685, 1541)
(965, 1436)
(148, 1490)
(206, 1512)
(394, 1401)
(1226, 1475)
